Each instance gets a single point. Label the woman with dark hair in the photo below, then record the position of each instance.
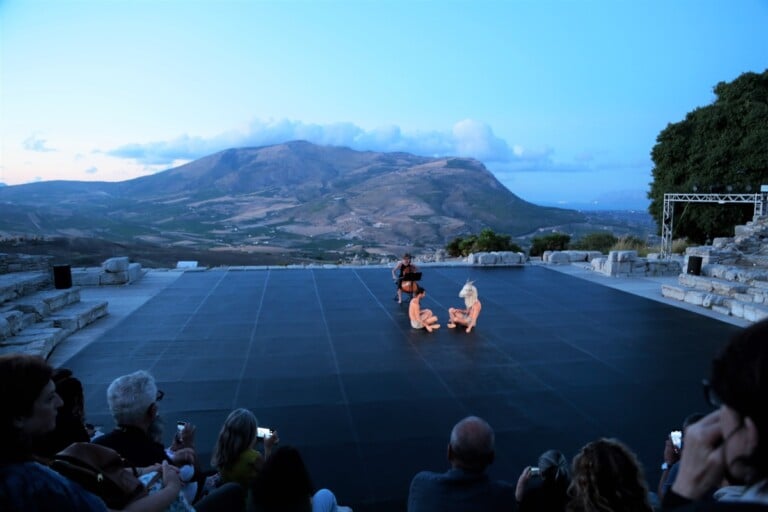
(545, 487)
(607, 477)
(70, 420)
(28, 409)
(284, 485)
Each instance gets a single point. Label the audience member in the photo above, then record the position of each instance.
(466, 317)
(70, 420)
(421, 318)
(235, 456)
(726, 444)
(28, 409)
(133, 401)
(466, 485)
(544, 488)
(402, 268)
(671, 464)
(606, 476)
(284, 485)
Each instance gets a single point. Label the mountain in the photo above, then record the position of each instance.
(296, 196)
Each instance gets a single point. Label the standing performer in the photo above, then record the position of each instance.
(402, 268)
(467, 316)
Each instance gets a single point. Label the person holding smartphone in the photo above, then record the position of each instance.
(731, 442)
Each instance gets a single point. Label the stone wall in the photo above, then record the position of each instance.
(24, 263)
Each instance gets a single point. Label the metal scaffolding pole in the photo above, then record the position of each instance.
(669, 209)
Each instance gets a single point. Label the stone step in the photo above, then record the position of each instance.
(77, 316)
(19, 284)
(34, 341)
(725, 305)
(42, 337)
(747, 275)
(24, 311)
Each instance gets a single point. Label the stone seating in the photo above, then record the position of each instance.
(34, 317)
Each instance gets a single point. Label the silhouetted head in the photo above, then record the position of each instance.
(472, 444)
(740, 381)
(607, 476)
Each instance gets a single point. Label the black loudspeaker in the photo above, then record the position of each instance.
(62, 277)
(694, 265)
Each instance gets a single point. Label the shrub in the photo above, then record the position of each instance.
(679, 245)
(598, 241)
(553, 242)
(486, 241)
(631, 243)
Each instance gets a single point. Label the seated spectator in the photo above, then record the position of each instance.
(235, 456)
(421, 318)
(729, 443)
(466, 486)
(468, 316)
(544, 488)
(284, 485)
(606, 476)
(70, 420)
(28, 409)
(671, 466)
(402, 268)
(133, 401)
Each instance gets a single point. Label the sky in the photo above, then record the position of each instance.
(561, 99)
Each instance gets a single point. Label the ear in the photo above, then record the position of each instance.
(451, 456)
(152, 411)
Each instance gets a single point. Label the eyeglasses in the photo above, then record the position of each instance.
(160, 395)
(710, 395)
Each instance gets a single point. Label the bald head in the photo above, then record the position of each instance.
(472, 444)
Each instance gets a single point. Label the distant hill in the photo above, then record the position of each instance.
(296, 197)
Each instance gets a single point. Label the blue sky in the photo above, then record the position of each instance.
(562, 100)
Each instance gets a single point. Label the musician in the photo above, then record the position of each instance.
(402, 268)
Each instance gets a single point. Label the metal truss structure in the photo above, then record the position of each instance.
(758, 200)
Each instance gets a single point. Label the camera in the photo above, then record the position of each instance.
(262, 432)
(535, 471)
(676, 437)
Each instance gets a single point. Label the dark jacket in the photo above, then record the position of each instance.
(458, 490)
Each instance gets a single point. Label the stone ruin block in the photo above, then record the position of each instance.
(117, 264)
(622, 255)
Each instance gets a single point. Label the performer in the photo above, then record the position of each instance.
(402, 268)
(421, 318)
(468, 316)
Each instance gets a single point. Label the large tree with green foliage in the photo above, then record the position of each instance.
(719, 148)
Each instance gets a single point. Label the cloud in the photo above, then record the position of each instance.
(33, 143)
(467, 138)
(91, 170)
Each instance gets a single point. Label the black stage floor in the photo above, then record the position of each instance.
(327, 358)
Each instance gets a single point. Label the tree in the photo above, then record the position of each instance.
(486, 241)
(552, 242)
(719, 148)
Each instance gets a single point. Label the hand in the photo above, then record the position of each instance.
(671, 452)
(184, 456)
(701, 463)
(187, 435)
(171, 476)
(271, 440)
(521, 483)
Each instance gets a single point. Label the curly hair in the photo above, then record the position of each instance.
(607, 478)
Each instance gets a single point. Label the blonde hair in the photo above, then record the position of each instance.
(238, 434)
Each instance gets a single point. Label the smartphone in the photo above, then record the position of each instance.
(676, 437)
(180, 425)
(535, 471)
(262, 432)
